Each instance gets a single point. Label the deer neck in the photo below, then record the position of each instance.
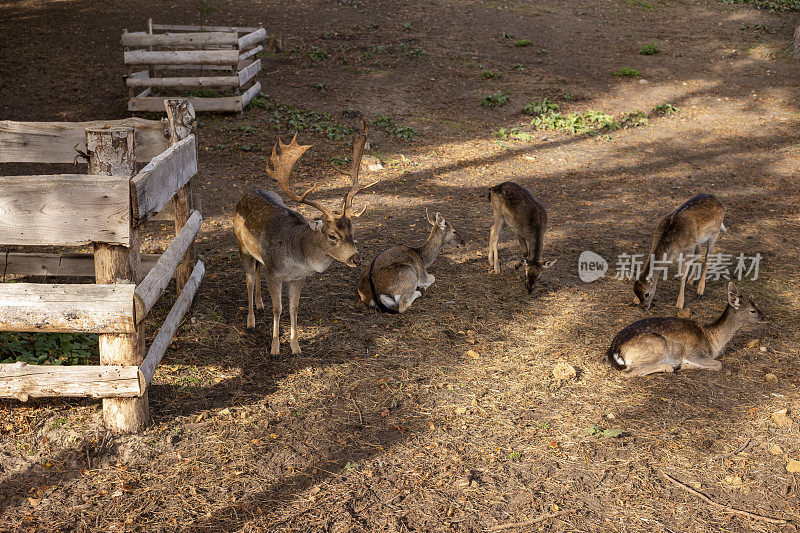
(720, 332)
(312, 249)
(429, 251)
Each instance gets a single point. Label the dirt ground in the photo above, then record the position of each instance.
(448, 417)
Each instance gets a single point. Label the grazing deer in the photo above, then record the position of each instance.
(516, 207)
(398, 275)
(667, 344)
(287, 245)
(698, 221)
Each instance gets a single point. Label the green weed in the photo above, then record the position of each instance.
(488, 74)
(387, 123)
(540, 106)
(496, 99)
(321, 87)
(49, 348)
(317, 54)
(772, 5)
(665, 109)
(287, 117)
(650, 49)
(522, 42)
(407, 26)
(626, 72)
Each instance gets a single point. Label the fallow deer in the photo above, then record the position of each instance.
(398, 275)
(286, 245)
(698, 221)
(666, 344)
(514, 206)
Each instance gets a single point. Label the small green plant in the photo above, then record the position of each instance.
(496, 99)
(243, 147)
(387, 123)
(568, 97)
(520, 67)
(321, 87)
(605, 433)
(634, 119)
(317, 54)
(650, 49)
(665, 109)
(771, 5)
(257, 102)
(416, 52)
(287, 117)
(515, 456)
(339, 160)
(513, 134)
(522, 42)
(383, 122)
(540, 106)
(246, 128)
(407, 26)
(49, 348)
(626, 72)
(488, 74)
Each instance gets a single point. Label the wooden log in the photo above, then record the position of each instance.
(140, 74)
(252, 39)
(55, 142)
(181, 57)
(165, 335)
(153, 285)
(226, 68)
(796, 41)
(64, 210)
(60, 308)
(182, 40)
(73, 264)
(183, 27)
(250, 93)
(113, 265)
(249, 72)
(250, 53)
(185, 82)
(23, 381)
(160, 180)
(156, 104)
(145, 93)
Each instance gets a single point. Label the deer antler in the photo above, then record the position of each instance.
(282, 168)
(358, 152)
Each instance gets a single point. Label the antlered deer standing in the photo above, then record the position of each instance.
(286, 245)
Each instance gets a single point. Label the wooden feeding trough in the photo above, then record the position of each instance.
(168, 61)
(104, 208)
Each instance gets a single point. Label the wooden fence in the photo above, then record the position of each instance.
(192, 58)
(104, 208)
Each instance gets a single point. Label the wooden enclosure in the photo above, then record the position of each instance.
(105, 209)
(174, 60)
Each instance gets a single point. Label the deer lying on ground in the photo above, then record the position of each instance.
(667, 344)
(514, 206)
(288, 246)
(698, 221)
(398, 275)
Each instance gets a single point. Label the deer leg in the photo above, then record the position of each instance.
(427, 282)
(642, 371)
(275, 289)
(405, 301)
(523, 244)
(494, 237)
(249, 267)
(684, 275)
(259, 299)
(700, 361)
(294, 306)
(701, 286)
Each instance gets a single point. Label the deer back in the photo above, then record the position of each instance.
(689, 225)
(520, 210)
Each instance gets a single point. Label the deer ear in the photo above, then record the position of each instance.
(548, 264)
(440, 221)
(734, 299)
(316, 224)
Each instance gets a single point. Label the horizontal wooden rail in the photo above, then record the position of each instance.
(249, 72)
(252, 39)
(165, 335)
(150, 289)
(23, 381)
(183, 27)
(184, 57)
(55, 142)
(67, 308)
(186, 82)
(250, 53)
(64, 210)
(250, 93)
(159, 181)
(75, 264)
(180, 39)
(156, 103)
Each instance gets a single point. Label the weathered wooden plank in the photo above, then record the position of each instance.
(180, 39)
(182, 57)
(252, 39)
(164, 336)
(160, 179)
(144, 93)
(183, 27)
(250, 93)
(194, 67)
(23, 381)
(64, 210)
(249, 72)
(62, 308)
(156, 103)
(74, 264)
(152, 286)
(140, 74)
(185, 82)
(54, 142)
(250, 53)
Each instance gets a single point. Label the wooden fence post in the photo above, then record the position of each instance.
(180, 116)
(111, 152)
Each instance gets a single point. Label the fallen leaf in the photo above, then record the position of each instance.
(473, 354)
(734, 481)
(781, 418)
(753, 343)
(793, 466)
(770, 378)
(775, 450)
(563, 371)
(685, 313)
(34, 501)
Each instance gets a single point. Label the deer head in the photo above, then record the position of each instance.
(335, 228)
(533, 271)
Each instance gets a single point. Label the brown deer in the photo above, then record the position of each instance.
(698, 221)
(514, 206)
(286, 245)
(398, 275)
(666, 344)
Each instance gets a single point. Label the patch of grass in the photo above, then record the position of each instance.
(287, 117)
(634, 119)
(626, 72)
(317, 54)
(772, 5)
(642, 4)
(489, 74)
(513, 134)
(496, 99)
(258, 102)
(650, 49)
(568, 97)
(387, 123)
(540, 106)
(49, 348)
(246, 128)
(416, 52)
(321, 87)
(515, 456)
(665, 109)
(407, 26)
(520, 67)
(522, 42)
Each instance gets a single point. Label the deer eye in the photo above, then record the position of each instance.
(333, 237)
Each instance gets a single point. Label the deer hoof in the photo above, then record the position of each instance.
(274, 356)
(699, 296)
(251, 330)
